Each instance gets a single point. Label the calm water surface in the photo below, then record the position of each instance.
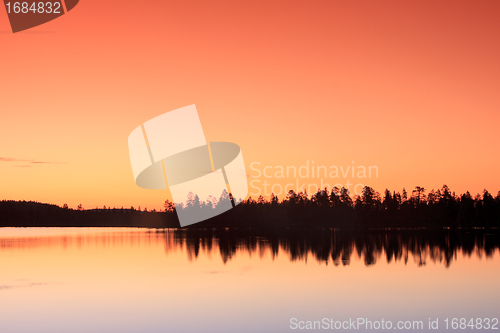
(230, 280)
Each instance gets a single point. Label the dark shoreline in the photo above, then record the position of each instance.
(321, 211)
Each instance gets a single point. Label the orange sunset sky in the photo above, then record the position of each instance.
(411, 87)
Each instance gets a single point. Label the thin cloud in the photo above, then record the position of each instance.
(10, 159)
(31, 161)
(28, 285)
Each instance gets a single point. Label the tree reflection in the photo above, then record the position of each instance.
(331, 246)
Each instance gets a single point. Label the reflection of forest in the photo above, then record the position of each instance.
(330, 245)
(325, 245)
(328, 226)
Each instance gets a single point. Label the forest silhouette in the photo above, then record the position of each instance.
(334, 208)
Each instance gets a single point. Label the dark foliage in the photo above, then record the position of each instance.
(336, 208)
(33, 214)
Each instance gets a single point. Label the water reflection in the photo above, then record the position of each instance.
(337, 247)
(327, 246)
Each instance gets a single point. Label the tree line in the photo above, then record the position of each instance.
(326, 208)
(337, 208)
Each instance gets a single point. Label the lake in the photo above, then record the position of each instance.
(246, 280)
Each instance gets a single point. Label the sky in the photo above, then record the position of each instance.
(410, 87)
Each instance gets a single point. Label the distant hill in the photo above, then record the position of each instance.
(34, 214)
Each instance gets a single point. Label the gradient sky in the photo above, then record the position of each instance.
(411, 87)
